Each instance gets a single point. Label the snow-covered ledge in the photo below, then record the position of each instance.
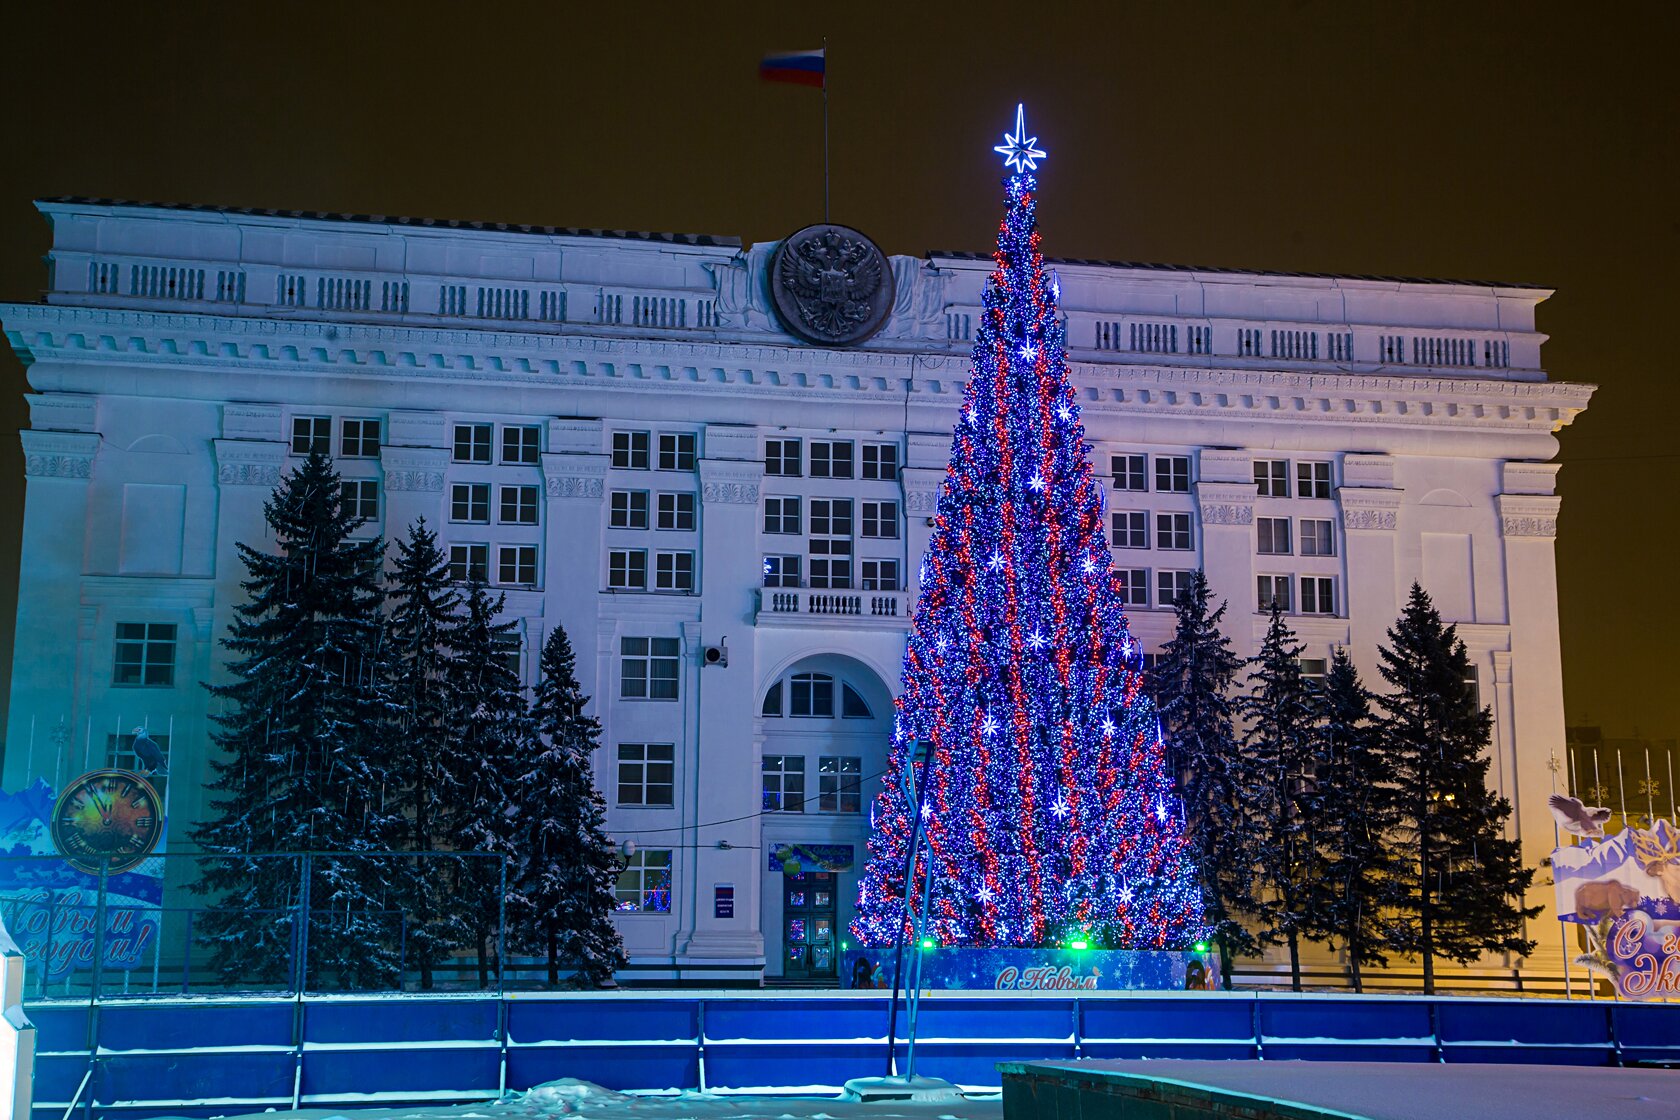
(17, 1035)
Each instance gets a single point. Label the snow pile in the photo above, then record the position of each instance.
(584, 1100)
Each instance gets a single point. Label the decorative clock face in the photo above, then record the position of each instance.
(112, 815)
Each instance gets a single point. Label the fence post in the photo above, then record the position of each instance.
(186, 957)
(303, 926)
(98, 975)
(501, 930)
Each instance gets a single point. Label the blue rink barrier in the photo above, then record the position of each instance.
(217, 1055)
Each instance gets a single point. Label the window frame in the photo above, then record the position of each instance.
(778, 578)
(1265, 593)
(1135, 532)
(776, 514)
(1172, 528)
(627, 517)
(479, 445)
(681, 582)
(364, 487)
(642, 780)
(627, 569)
(787, 795)
(1323, 595)
(150, 642)
(1177, 575)
(782, 451)
(521, 554)
(1271, 478)
(1327, 538)
(1309, 484)
(364, 424)
(1266, 536)
(472, 490)
(878, 515)
(679, 511)
(648, 877)
(1167, 471)
(833, 464)
(678, 453)
(878, 462)
(521, 515)
(625, 452)
(527, 452)
(1135, 472)
(814, 683)
(654, 655)
(466, 563)
(835, 794)
(319, 438)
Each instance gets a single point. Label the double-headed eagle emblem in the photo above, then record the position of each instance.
(832, 280)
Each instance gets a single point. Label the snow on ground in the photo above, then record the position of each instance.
(583, 1100)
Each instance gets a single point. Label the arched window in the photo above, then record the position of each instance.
(852, 704)
(812, 695)
(773, 701)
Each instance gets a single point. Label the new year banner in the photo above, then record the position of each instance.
(1625, 890)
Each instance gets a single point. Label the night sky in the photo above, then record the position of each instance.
(1491, 141)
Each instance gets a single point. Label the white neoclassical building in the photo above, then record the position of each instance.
(618, 430)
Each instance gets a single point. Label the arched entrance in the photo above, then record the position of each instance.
(824, 728)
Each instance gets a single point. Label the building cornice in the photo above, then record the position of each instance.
(1369, 507)
(70, 336)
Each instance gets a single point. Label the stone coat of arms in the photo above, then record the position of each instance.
(831, 285)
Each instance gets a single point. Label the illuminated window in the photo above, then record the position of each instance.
(645, 883)
(783, 783)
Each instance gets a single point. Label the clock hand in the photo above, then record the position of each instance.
(99, 803)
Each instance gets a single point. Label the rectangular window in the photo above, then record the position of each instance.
(1473, 687)
(830, 545)
(522, 443)
(311, 435)
(472, 443)
(1128, 472)
(519, 505)
(880, 519)
(629, 509)
(627, 569)
(1132, 585)
(676, 451)
(782, 571)
(1130, 529)
(630, 451)
(673, 571)
(880, 461)
(360, 439)
(648, 668)
(1274, 535)
(1318, 595)
(782, 456)
(1313, 671)
(644, 886)
(1169, 586)
(1312, 480)
(470, 502)
(1318, 537)
(1273, 589)
(360, 498)
(1271, 478)
(1172, 531)
(145, 655)
(880, 575)
(839, 779)
(811, 695)
(469, 562)
(518, 565)
(784, 783)
(831, 459)
(781, 515)
(1172, 474)
(676, 511)
(646, 774)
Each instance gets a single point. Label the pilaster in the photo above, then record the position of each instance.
(1227, 515)
(1529, 524)
(45, 662)
(413, 486)
(1370, 516)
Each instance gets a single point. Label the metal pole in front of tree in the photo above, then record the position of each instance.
(501, 929)
(914, 797)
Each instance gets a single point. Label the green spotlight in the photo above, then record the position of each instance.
(927, 942)
(1200, 946)
(1079, 944)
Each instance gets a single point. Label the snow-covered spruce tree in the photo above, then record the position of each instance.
(423, 604)
(1192, 682)
(1464, 880)
(1277, 766)
(302, 728)
(1352, 899)
(488, 740)
(561, 900)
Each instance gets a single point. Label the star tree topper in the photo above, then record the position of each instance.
(1019, 150)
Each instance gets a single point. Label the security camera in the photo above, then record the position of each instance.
(718, 655)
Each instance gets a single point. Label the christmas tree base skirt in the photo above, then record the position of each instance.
(1036, 970)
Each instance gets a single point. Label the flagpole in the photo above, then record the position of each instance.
(825, 129)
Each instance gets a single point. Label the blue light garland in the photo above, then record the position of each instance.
(1048, 810)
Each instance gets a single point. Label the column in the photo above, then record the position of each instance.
(1528, 524)
(57, 468)
(412, 488)
(721, 761)
(1371, 593)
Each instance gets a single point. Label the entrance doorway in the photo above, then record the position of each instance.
(809, 907)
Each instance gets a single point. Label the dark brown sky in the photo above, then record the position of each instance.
(1501, 141)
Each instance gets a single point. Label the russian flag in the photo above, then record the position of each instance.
(804, 68)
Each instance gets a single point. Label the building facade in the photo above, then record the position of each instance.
(618, 431)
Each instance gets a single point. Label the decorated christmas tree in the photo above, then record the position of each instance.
(1024, 741)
